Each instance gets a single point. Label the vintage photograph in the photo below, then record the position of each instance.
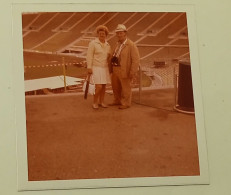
(108, 95)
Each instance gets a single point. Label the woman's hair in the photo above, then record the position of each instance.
(102, 28)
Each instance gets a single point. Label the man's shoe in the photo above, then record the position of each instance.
(103, 105)
(114, 104)
(123, 107)
(95, 106)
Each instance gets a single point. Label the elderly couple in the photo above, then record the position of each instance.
(117, 67)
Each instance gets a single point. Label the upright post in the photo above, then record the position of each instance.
(176, 87)
(64, 75)
(140, 85)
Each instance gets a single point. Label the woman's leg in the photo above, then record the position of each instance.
(102, 94)
(98, 89)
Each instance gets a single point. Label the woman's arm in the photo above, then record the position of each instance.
(90, 55)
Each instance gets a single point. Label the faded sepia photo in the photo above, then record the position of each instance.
(70, 137)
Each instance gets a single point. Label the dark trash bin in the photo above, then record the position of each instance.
(185, 102)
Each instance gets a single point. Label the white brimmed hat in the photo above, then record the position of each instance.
(120, 28)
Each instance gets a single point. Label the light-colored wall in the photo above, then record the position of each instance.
(213, 29)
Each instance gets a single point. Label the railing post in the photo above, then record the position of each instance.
(64, 75)
(140, 85)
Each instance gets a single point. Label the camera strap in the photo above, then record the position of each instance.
(119, 49)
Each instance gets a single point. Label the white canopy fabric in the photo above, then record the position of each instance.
(50, 82)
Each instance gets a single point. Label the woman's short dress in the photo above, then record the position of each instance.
(101, 75)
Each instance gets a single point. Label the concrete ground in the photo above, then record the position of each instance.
(67, 139)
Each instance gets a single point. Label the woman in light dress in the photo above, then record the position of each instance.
(98, 56)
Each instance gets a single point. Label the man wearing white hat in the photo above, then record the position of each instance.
(124, 65)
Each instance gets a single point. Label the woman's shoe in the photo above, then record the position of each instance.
(103, 105)
(95, 106)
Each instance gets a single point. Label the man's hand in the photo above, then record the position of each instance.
(89, 70)
(131, 76)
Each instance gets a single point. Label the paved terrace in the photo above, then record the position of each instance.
(67, 139)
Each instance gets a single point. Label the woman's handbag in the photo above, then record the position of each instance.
(89, 86)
